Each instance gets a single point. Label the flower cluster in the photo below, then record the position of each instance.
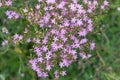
(105, 3)
(17, 38)
(68, 22)
(12, 14)
(7, 3)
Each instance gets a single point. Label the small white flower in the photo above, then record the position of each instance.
(5, 30)
(0, 4)
(118, 9)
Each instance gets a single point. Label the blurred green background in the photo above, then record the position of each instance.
(104, 65)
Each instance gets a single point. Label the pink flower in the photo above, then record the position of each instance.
(50, 1)
(25, 10)
(66, 62)
(48, 67)
(85, 56)
(79, 22)
(90, 28)
(63, 31)
(39, 0)
(55, 38)
(61, 64)
(72, 7)
(5, 42)
(73, 20)
(102, 6)
(66, 23)
(53, 21)
(63, 73)
(37, 6)
(45, 8)
(47, 57)
(83, 32)
(95, 3)
(83, 41)
(36, 40)
(92, 46)
(8, 3)
(44, 48)
(45, 74)
(49, 53)
(75, 1)
(51, 8)
(105, 3)
(40, 59)
(56, 74)
(16, 16)
(20, 37)
(61, 5)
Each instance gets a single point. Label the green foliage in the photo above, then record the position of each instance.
(103, 65)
